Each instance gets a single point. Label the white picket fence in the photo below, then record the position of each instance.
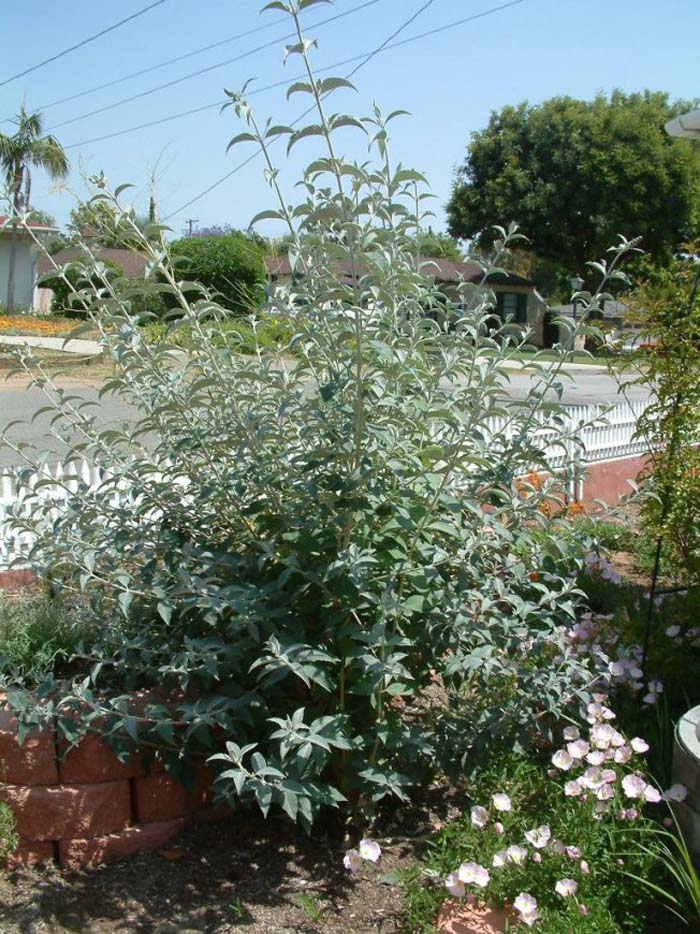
(602, 433)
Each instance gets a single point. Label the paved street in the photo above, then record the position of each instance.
(581, 388)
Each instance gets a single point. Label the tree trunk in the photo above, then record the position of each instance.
(16, 206)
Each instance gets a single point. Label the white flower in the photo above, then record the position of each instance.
(608, 776)
(673, 631)
(480, 816)
(499, 828)
(352, 861)
(501, 802)
(526, 906)
(562, 760)
(572, 789)
(539, 837)
(571, 733)
(370, 850)
(623, 754)
(516, 854)
(639, 745)
(578, 749)
(633, 786)
(616, 669)
(573, 852)
(500, 859)
(473, 874)
(605, 793)
(454, 886)
(566, 887)
(583, 866)
(676, 793)
(536, 857)
(652, 795)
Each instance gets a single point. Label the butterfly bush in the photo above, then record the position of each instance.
(317, 564)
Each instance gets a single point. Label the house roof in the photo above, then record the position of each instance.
(5, 222)
(443, 270)
(133, 264)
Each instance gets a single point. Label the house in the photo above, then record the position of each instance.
(612, 319)
(25, 260)
(131, 262)
(516, 297)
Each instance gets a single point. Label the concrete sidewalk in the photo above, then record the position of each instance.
(76, 346)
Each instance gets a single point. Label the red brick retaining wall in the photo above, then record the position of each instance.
(87, 806)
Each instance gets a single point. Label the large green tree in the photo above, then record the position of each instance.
(575, 174)
(25, 149)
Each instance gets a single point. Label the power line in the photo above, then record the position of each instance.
(301, 116)
(203, 71)
(170, 61)
(346, 61)
(83, 42)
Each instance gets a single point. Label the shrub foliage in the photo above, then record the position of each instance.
(230, 265)
(325, 559)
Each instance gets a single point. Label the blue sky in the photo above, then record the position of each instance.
(450, 83)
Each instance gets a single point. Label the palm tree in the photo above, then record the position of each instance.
(27, 147)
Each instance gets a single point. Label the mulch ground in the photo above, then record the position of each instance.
(244, 874)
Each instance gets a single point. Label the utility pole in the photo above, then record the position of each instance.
(190, 222)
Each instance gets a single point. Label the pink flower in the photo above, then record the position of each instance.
(583, 866)
(652, 795)
(499, 859)
(566, 887)
(578, 749)
(608, 776)
(370, 850)
(516, 854)
(572, 789)
(573, 852)
(526, 906)
(479, 816)
(473, 874)
(558, 847)
(539, 837)
(633, 786)
(352, 861)
(499, 828)
(562, 760)
(639, 745)
(583, 909)
(454, 885)
(596, 757)
(676, 793)
(501, 802)
(623, 754)
(536, 857)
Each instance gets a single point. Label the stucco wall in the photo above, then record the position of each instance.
(24, 271)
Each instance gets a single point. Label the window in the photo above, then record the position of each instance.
(512, 306)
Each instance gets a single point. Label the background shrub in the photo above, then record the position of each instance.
(78, 279)
(231, 266)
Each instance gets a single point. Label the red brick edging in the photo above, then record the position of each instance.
(85, 806)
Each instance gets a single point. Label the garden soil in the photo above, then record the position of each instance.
(244, 874)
